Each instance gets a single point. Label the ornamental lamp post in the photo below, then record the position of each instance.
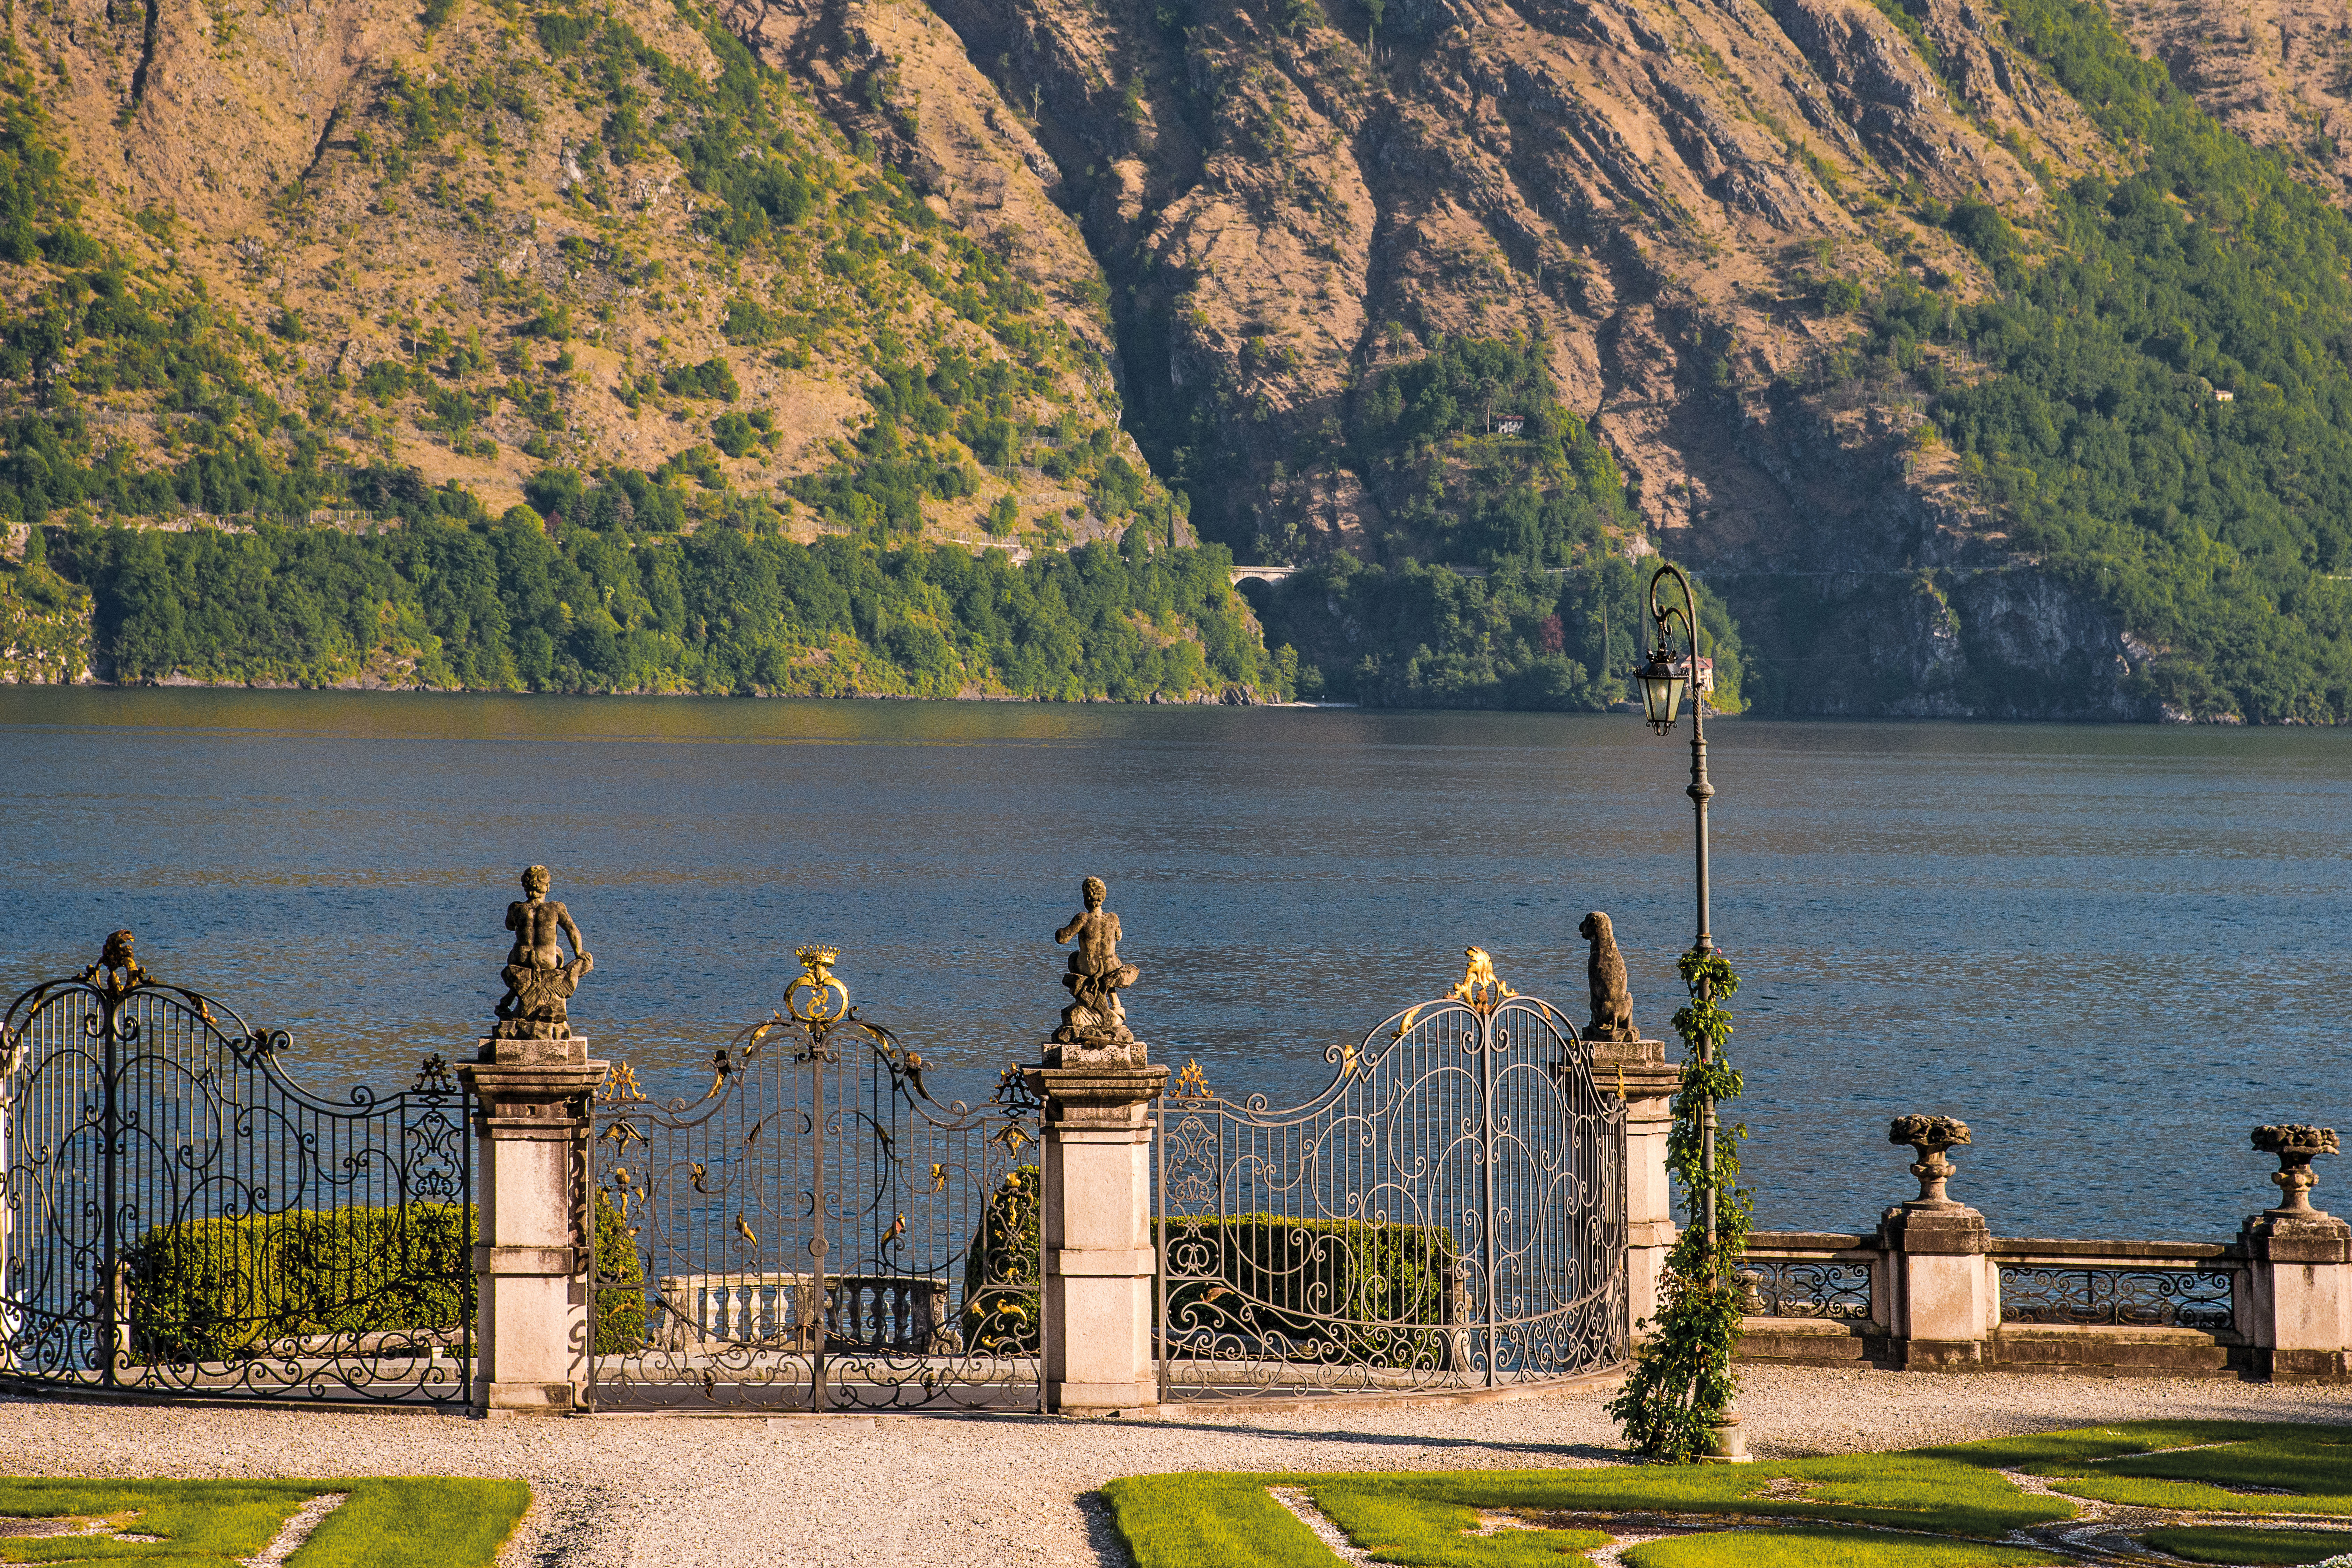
(1663, 677)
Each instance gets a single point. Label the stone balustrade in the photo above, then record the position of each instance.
(905, 1313)
(1933, 1289)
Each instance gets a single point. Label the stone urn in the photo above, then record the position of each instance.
(1929, 1137)
(2296, 1146)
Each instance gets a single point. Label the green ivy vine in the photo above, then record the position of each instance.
(1682, 1384)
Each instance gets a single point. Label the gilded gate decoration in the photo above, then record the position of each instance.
(1448, 1213)
(180, 1217)
(817, 1231)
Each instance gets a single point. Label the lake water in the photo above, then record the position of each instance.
(2111, 950)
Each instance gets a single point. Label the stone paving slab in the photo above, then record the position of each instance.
(986, 1491)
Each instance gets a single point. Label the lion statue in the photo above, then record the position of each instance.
(1612, 1002)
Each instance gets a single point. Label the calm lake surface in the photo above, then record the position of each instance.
(2111, 950)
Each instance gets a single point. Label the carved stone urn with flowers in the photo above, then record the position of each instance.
(1930, 1138)
(2296, 1145)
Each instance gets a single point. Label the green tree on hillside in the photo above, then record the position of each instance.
(2218, 529)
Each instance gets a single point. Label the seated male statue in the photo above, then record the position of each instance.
(1094, 1015)
(538, 981)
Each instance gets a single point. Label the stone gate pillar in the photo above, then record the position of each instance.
(1101, 1265)
(1638, 1071)
(531, 1195)
(2300, 1257)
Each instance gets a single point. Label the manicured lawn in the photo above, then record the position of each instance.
(1414, 1531)
(2312, 1466)
(2238, 1544)
(386, 1522)
(1823, 1546)
(1952, 1504)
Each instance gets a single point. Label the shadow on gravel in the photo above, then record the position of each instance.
(1102, 1533)
(561, 1530)
(1591, 1451)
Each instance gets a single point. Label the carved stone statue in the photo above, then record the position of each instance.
(1604, 971)
(1094, 1015)
(538, 981)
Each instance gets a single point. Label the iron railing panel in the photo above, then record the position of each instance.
(816, 1232)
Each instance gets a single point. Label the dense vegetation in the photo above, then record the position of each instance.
(2080, 399)
(613, 579)
(452, 599)
(1558, 618)
(2219, 531)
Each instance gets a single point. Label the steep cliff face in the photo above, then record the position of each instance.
(1286, 198)
(1200, 226)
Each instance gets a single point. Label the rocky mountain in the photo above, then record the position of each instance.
(2277, 72)
(1089, 270)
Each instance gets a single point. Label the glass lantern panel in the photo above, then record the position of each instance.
(1663, 698)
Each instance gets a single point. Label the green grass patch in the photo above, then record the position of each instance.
(2065, 1453)
(2203, 1465)
(408, 1521)
(201, 1522)
(1421, 1518)
(2238, 1544)
(1899, 1490)
(386, 1522)
(1824, 1548)
(1178, 1522)
(1229, 1521)
(1421, 1532)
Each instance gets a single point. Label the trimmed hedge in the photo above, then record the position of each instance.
(620, 1283)
(222, 1289)
(1261, 1282)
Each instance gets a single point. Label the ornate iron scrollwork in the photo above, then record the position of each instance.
(817, 997)
(1807, 1288)
(1447, 1214)
(818, 1230)
(183, 1218)
(2187, 1298)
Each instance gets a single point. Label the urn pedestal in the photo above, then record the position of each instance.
(2299, 1316)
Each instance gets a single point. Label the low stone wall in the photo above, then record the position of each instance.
(1933, 1289)
(2113, 1307)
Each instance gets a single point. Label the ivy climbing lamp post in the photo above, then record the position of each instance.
(1663, 678)
(1679, 1404)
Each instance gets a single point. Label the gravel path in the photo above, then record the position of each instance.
(950, 1492)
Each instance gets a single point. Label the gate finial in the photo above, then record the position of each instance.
(117, 964)
(1481, 987)
(828, 998)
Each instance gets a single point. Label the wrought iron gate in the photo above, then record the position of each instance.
(182, 1218)
(1448, 1213)
(817, 1231)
